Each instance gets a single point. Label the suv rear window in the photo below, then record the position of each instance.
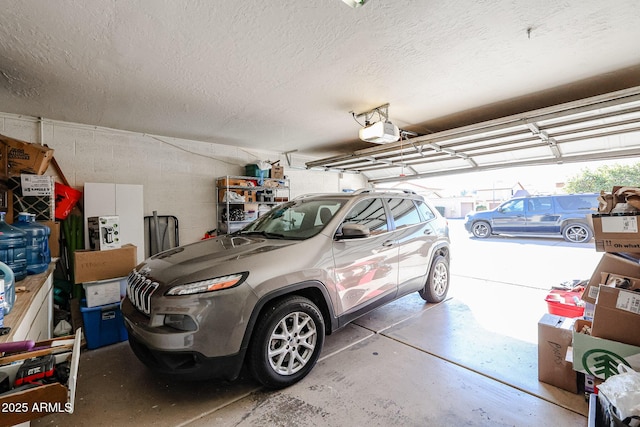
(404, 212)
(427, 213)
(578, 202)
(540, 204)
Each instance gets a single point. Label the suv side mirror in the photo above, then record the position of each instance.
(353, 231)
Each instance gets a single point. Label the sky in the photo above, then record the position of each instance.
(535, 179)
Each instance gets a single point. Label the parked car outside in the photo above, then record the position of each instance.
(564, 215)
(268, 294)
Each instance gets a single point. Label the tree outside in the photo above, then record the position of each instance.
(604, 178)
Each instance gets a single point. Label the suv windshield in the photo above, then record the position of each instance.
(296, 220)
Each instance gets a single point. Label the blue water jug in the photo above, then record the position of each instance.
(13, 248)
(38, 253)
(9, 289)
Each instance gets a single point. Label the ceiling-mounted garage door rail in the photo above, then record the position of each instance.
(601, 127)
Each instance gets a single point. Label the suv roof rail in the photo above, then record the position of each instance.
(359, 191)
(307, 195)
(561, 195)
(383, 190)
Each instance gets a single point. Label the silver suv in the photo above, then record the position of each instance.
(267, 294)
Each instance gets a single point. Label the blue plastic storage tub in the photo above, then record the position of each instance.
(103, 325)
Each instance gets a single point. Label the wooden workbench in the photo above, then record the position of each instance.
(31, 317)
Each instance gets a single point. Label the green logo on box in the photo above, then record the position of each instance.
(603, 362)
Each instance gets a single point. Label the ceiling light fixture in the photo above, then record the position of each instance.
(381, 131)
(355, 3)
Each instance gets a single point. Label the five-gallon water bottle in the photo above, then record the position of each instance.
(13, 249)
(38, 253)
(7, 283)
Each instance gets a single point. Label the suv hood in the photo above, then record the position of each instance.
(208, 258)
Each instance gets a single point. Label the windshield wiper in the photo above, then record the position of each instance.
(265, 234)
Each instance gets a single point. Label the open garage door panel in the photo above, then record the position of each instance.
(597, 128)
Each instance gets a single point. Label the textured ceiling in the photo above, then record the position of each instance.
(283, 75)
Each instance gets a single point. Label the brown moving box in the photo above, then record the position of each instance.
(26, 157)
(617, 316)
(616, 233)
(598, 356)
(91, 266)
(554, 338)
(277, 172)
(627, 265)
(54, 237)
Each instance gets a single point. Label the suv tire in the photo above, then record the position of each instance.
(481, 229)
(437, 286)
(287, 342)
(577, 233)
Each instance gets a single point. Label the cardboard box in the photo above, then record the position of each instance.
(103, 292)
(24, 157)
(232, 182)
(91, 266)
(611, 280)
(104, 232)
(277, 172)
(238, 186)
(616, 233)
(54, 237)
(617, 316)
(4, 162)
(6, 197)
(600, 357)
(554, 339)
(42, 400)
(622, 264)
(250, 196)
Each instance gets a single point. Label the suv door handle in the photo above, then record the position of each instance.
(388, 243)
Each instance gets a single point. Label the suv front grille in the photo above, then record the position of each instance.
(139, 291)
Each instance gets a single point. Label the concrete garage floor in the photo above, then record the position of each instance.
(412, 364)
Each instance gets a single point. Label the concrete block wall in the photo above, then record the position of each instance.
(178, 175)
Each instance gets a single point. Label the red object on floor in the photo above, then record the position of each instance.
(565, 303)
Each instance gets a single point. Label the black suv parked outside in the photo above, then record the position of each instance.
(561, 215)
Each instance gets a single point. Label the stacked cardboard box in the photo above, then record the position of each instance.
(610, 335)
(238, 186)
(103, 276)
(24, 157)
(554, 340)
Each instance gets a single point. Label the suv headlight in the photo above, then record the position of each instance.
(209, 285)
